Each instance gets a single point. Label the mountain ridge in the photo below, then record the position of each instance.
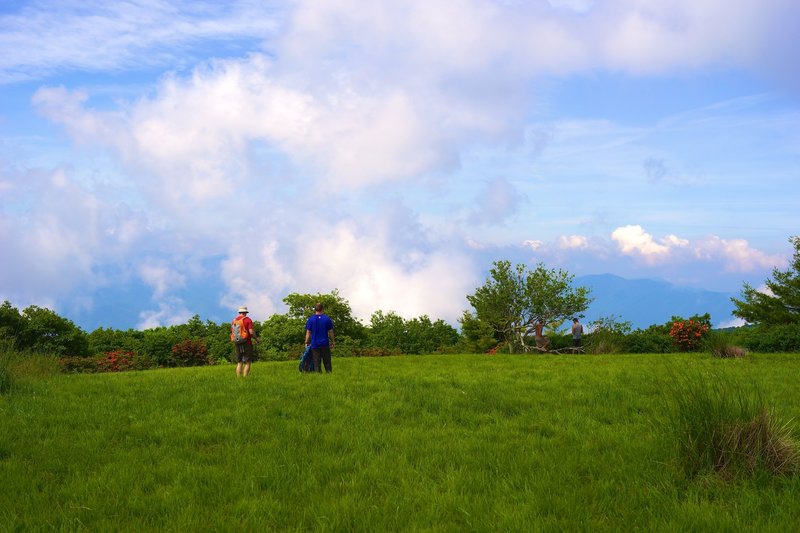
(644, 302)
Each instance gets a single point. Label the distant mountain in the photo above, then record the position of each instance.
(644, 302)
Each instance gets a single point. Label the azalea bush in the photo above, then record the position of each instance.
(689, 334)
(189, 352)
(116, 361)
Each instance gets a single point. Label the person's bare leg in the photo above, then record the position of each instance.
(246, 368)
(239, 369)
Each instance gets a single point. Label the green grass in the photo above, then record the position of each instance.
(432, 443)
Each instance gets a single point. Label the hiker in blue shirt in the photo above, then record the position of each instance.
(319, 335)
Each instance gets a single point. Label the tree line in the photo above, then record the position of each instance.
(504, 310)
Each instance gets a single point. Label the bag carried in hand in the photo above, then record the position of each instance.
(307, 361)
(239, 333)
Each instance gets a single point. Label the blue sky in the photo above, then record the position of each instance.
(161, 159)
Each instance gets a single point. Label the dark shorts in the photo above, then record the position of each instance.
(244, 353)
(576, 342)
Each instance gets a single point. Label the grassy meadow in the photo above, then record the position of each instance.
(428, 443)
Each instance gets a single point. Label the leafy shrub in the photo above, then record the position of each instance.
(728, 430)
(607, 335)
(648, 341)
(783, 338)
(274, 354)
(190, 352)
(77, 364)
(558, 341)
(420, 335)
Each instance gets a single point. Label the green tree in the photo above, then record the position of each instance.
(48, 333)
(12, 324)
(104, 340)
(386, 330)
(513, 299)
(418, 335)
(301, 306)
(218, 341)
(782, 306)
(477, 336)
(282, 332)
(157, 344)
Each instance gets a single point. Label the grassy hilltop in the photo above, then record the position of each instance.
(434, 443)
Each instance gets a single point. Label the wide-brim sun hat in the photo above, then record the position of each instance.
(243, 309)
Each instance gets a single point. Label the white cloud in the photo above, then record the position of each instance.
(349, 100)
(59, 233)
(765, 290)
(732, 323)
(258, 279)
(360, 260)
(736, 254)
(170, 312)
(362, 267)
(475, 245)
(572, 242)
(162, 276)
(633, 240)
(533, 244)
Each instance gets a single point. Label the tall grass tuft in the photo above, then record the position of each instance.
(18, 368)
(725, 428)
(6, 378)
(720, 346)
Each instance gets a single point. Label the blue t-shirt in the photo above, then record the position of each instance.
(319, 326)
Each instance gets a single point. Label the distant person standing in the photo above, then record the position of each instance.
(319, 335)
(577, 333)
(538, 335)
(242, 336)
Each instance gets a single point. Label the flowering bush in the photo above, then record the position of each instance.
(190, 353)
(688, 334)
(116, 361)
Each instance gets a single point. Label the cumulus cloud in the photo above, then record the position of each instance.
(170, 312)
(572, 242)
(732, 323)
(59, 232)
(633, 240)
(161, 276)
(736, 254)
(359, 266)
(347, 100)
(258, 280)
(533, 244)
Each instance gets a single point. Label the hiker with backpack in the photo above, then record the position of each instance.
(319, 337)
(242, 336)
